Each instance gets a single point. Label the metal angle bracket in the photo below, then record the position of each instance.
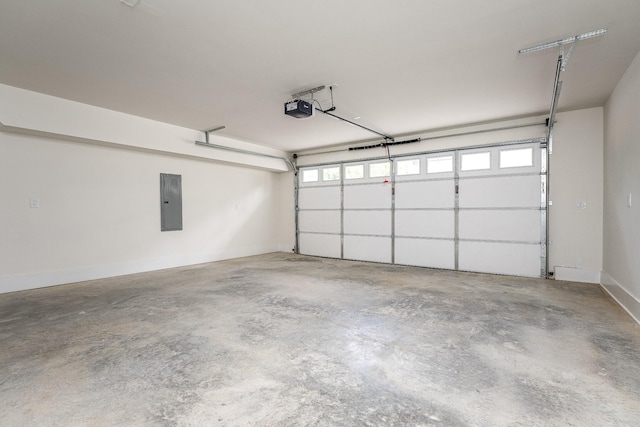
(206, 132)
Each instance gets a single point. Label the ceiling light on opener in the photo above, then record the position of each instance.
(568, 40)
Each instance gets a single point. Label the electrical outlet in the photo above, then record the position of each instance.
(581, 205)
(34, 202)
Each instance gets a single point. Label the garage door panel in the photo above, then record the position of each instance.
(325, 245)
(499, 192)
(319, 198)
(425, 253)
(367, 222)
(364, 248)
(375, 196)
(425, 194)
(425, 223)
(319, 221)
(523, 225)
(500, 258)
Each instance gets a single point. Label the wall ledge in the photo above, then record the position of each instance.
(37, 114)
(627, 301)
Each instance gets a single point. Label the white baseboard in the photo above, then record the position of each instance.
(576, 274)
(627, 301)
(61, 277)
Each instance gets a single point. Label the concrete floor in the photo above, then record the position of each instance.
(287, 340)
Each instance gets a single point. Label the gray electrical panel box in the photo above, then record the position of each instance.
(170, 202)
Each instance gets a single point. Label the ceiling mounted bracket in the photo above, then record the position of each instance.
(307, 92)
(562, 42)
(215, 129)
(560, 67)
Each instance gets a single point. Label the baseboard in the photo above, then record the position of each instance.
(576, 274)
(54, 278)
(627, 301)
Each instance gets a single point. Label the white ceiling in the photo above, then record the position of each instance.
(403, 66)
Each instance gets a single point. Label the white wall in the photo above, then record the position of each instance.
(99, 212)
(99, 194)
(286, 212)
(575, 175)
(621, 275)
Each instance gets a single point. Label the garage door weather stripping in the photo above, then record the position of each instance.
(481, 209)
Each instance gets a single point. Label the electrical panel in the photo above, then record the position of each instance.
(170, 202)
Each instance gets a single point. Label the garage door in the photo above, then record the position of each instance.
(425, 211)
(479, 209)
(367, 211)
(320, 211)
(500, 226)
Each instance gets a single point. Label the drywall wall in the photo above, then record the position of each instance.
(99, 212)
(575, 176)
(621, 275)
(576, 181)
(95, 176)
(286, 212)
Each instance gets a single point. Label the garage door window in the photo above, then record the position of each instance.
(409, 167)
(310, 175)
(516, 158)
(377, 170)
(440, 164)
(354, 172)
(331, 174)
(475, 161)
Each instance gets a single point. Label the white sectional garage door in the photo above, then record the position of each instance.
(320, 219)
(425, 211)
(367, 212)
(479, 210)
(500, 208)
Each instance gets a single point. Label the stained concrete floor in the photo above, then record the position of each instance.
(287, 340)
